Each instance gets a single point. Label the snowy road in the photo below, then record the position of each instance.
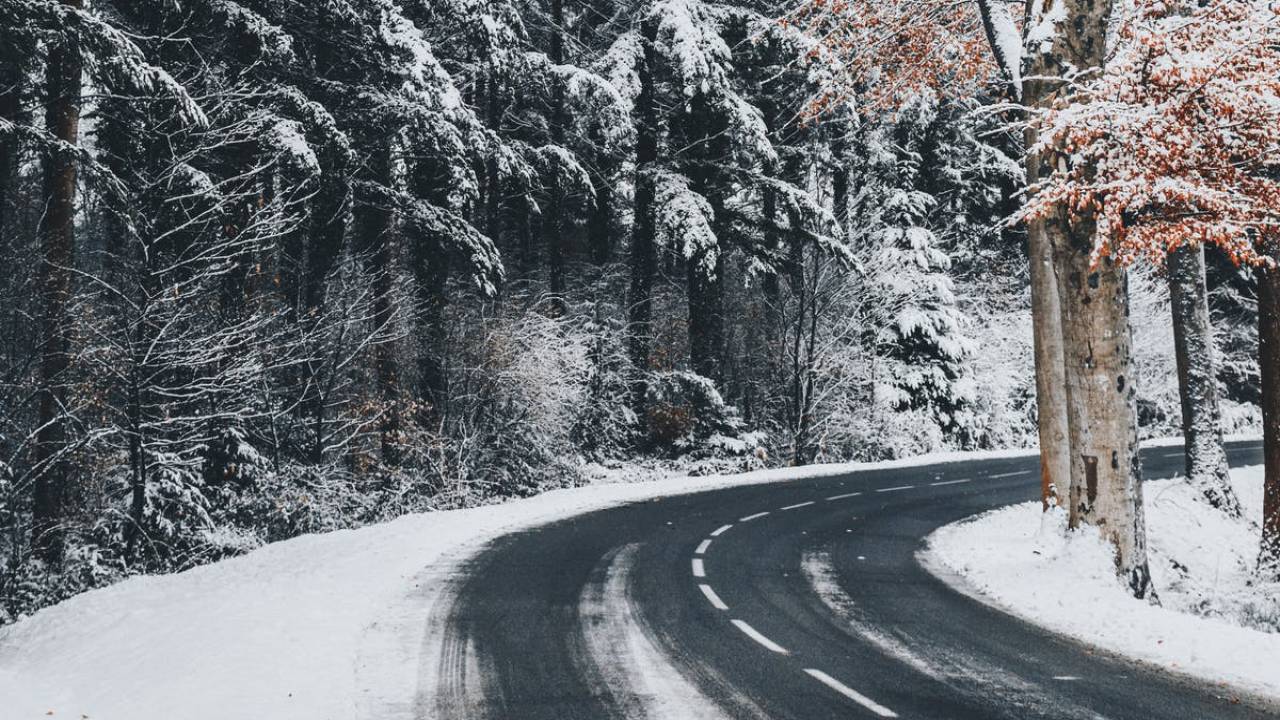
(801, 600)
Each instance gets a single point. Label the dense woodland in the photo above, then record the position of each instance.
(281, 266)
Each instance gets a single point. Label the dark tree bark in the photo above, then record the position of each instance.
(378, 244)
(644, 256)
(433, 379)
(706, 317)
(1269, 369)
(493, 179)
(11, 82)
(328, 228)
(554, 223)
(63, 70)
(600, 229)
(1193, 344)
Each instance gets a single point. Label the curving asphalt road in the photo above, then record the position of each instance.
(698, 607)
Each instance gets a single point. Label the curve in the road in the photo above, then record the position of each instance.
(796, 600)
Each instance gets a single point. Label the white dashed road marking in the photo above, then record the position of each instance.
(702, 547)
(699, 571)
(949, 482)
(720, 530)
(749, 518)
(798, 505)
(713, 598)
(850, 693)
(1010, 474)
(892, 489)
(846, 495)
(755, 635)
(1065, 678)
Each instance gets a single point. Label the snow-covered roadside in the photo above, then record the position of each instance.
(319, 627)
(1212, 622)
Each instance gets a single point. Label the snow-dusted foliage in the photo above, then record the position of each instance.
(924, 346)
(1175, 144)
(686, 415)
(685, 221)
(323, 263)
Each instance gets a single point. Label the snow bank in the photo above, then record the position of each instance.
(1213, 622)
(321, 626)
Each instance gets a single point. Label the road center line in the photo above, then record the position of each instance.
(797, 506)
(949, 482)
(755, 635)
(846, 495)
(713, 598)
(702, 547)
(850, 693)
(749, 518)
(720, 530)
(892, 489)
(699, 570)
(1010, 474)
(1065, 678)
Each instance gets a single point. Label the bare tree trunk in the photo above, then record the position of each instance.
(644, 257)
(1101, 408)
(1051, 382)
(1207, 467)
(1046, 323)
(1106, 484)
(706, 317)
(432, 271)
(554, 222)
(11, 82)
(376, 226)
(600, 229)
(1269, 368)
(57, 232)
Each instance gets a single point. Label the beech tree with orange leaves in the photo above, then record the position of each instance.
(1148, 136)
(1177, 146)
(878, 53)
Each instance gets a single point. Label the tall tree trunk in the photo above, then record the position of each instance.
(1046, 331)
(1051, 382)
(493, 178)
(706, 317)
(644, 255)
(1101, 407)
(376, 226)
(1269, 369)
(600, 230)
(553, 240)
(57, 233)
(11, 82)
(554, 222)
(326, 232)
(1106, 472)
(1206, 459)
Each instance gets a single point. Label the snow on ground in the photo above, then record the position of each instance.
(1214, 622)
(320, 627)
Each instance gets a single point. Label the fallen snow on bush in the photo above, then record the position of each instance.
(1214, 620)
(333, 626)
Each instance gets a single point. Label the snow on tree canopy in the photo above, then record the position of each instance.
(1177, 142)
(684, 220)
(288, 137)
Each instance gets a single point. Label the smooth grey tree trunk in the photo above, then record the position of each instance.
(1207, 467)
(1105, 488)
(1046, 310)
